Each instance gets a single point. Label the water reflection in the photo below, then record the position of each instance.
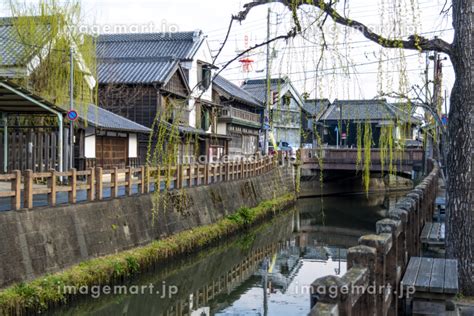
(266, 271)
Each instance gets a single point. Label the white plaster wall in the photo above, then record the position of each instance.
(89, 143)
(222, 128)
(204, 55)
(132, 146)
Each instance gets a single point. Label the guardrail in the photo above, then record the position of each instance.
(143, 180)
(379, 261)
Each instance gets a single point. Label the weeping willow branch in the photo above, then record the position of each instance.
(414, 42)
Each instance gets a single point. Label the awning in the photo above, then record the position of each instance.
(14, 99)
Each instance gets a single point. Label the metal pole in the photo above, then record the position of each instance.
(268, 94)
(71, 107)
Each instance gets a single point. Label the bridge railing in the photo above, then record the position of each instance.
(376, 265)
(348, 155)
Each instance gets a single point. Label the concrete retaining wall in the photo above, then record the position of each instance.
(47, 240)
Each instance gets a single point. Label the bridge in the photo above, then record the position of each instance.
(345, 159)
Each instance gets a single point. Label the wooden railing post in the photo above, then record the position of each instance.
(158, 179)
(206, 174)
(114, 183)
(99, 185)
(52, 188)
(142, 179)
(227, 171)
(28, 190)
(242, 168)
(129, 181)
(73, 184)
(91, 184)
(16, 187)
(191, 169)
(179, 176)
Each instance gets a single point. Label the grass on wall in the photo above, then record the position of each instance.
(46, 291)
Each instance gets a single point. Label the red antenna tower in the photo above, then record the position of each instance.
(246, 61)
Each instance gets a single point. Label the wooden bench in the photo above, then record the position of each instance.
(433, 234)
(433, 282)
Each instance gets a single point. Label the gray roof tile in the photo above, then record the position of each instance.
(143, 58)
(12, 51)
(180, 45)
(258, 87)
(363, 110)
(135, 71)
(236, 92)
(101, 118)
(316, 107)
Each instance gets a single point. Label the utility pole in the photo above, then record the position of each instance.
(427, 79)
(268, 98)
(71, 107)
(436, 82)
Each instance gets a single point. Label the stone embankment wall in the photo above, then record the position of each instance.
(40, 241)
(380, 259)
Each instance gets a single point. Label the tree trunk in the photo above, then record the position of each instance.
(460, 155)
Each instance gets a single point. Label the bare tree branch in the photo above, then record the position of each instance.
(415, 42)
(289, 35)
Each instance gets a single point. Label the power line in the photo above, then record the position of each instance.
(344, 67)
(261, 22)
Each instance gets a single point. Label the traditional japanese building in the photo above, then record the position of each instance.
(285, 109)
(339, 122)
(142, 76)
(240, 117)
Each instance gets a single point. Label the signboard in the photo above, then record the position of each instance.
(444, 119)
(72, 115)
(344, 136)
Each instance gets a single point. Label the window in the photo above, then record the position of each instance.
(204, 76)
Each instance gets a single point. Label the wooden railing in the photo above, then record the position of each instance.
(379, 261)
(96, 182)
(230, 112)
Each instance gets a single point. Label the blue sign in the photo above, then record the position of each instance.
(72, 115)
(444, 119)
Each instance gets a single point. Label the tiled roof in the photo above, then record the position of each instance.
(133, 71)
(12, 51)
(180, 45)
(236, 92)
(258, 87)
(316, 107)
(101, 118)
(143, 58)
(406, 111)
(359, 110)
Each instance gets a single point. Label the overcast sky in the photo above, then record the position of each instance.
(349, 70)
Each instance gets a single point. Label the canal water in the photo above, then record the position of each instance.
(264, 271)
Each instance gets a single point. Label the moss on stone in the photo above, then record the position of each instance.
(43, 292)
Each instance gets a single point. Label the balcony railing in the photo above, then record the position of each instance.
(233, 113)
